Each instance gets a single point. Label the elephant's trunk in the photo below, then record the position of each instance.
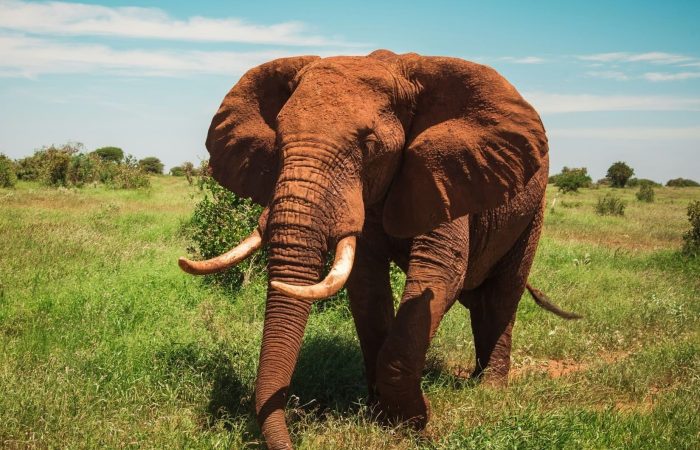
(298, 231)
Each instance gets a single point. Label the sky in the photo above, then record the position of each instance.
(611, 80)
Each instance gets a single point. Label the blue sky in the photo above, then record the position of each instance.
(612, 80)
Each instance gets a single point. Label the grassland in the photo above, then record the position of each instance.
(105, 343)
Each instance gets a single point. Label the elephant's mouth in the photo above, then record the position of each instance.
(332, 283)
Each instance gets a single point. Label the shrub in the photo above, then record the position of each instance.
(603, 182)
(682, 182)
(571, 179)
(634, 182)
(691, 238)
(619, 173)
(114, 154)
(8, 175)
(219, 222)
(610, 206)
(177, 171)
(151, 164)
(646, 193)
(83, 169)
(54, 162)
(28, 168)
(129, 175)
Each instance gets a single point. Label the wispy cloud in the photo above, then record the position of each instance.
(547, 103)
(78, 19)
(609, 75)
(523, 59)
(29, 57)
(628, 133)
(648, 57)
(665, 76)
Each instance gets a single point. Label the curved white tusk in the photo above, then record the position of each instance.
(336, 278)
(247, 247)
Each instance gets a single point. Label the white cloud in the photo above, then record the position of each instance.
(628, 133)
(30, 57)
(649, 57)
(609, 74)
(78, 19)
(665, 76)
(547, 103)
(523, 60)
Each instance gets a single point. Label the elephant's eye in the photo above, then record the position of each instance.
(369, 143)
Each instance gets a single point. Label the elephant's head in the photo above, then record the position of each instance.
(317, 141)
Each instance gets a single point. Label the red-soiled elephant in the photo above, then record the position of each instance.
(435, 163)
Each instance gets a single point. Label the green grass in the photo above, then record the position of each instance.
(105, 343)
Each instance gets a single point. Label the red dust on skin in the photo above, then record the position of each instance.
(434, 163)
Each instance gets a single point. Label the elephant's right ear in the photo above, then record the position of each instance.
(241, 138)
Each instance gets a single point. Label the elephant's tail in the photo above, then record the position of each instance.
(545, 303)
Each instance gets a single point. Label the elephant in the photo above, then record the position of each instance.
(435, 163)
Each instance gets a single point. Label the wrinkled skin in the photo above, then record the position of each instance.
(435, 163)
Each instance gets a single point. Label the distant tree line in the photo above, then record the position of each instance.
(70, 165)
(619, 175)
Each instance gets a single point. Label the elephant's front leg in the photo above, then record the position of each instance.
(436, 270)
(371, 300)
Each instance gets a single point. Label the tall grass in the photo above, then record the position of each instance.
(105, 343)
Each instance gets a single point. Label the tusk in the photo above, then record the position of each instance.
(336, 278)
(237, 254)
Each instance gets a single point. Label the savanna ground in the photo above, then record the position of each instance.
(106, 343)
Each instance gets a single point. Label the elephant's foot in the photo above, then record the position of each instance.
(409, 408)
(495, 373)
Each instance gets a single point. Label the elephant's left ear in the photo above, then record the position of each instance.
(473, 144)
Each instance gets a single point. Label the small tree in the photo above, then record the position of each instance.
(646, 193)
(619, 173)
(8, 177)
(571, 179)
(151, 164)
(691, 239)
(177, 171)
(114, 154)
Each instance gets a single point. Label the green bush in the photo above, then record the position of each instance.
(8, 175)
(83, 169)
(128, 175)
(54, 163)
(114, 154)
(177, 171)
(619, 173)
(28, 168)
(682, 182)
(571, 179)
(219, 222)
(610, 206)
(691, 238)
(634, 182)
(645, 193)
(151, 164)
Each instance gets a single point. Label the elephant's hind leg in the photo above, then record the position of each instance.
(493, 305)
(436, 269)
(371, 300)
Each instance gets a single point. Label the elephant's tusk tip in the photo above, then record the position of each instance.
(186, 265)
(284, 288)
